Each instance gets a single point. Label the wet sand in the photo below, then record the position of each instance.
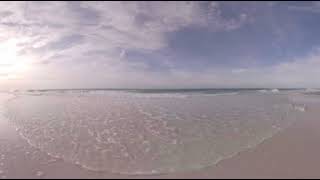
(292, 153)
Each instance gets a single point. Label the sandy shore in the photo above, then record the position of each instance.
(292, 153)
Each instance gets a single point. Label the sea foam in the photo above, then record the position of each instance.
(133, 134)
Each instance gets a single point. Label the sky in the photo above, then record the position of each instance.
(45, 45)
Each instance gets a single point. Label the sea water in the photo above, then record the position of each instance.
(148, 131)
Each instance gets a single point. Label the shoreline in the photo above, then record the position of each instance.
(260, 161)
(291, 153)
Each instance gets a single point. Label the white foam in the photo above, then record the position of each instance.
(4, 97)
(312, 90)
(301, 108)
(131, 134)
(263, 91)
(121, 94)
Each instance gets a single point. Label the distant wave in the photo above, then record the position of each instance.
(125, 93)
(263, 91)
(220, 94)
(269, 90)
(312, 90)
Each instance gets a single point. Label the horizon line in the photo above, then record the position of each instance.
(48, 89)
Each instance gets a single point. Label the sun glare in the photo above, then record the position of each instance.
(11, 63)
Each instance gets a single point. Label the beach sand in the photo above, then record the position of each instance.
(291, 153)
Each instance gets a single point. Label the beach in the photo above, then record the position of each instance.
(290, 153)
(159, 90)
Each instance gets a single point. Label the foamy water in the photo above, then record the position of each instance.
(4, 97)
(134, 133)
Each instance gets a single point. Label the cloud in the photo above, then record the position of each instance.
(123, 53)
(137, 25)
(311, 7)
(298, 73)
(88, 44)
(65, 42)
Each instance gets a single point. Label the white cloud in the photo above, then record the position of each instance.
(301, 72)
(138, 25)
(79, 43)
(313, 7)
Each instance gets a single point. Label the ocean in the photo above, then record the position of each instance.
(149, 131)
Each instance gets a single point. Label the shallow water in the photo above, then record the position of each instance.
(142, 134)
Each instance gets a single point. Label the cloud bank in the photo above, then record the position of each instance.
(129, 45)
